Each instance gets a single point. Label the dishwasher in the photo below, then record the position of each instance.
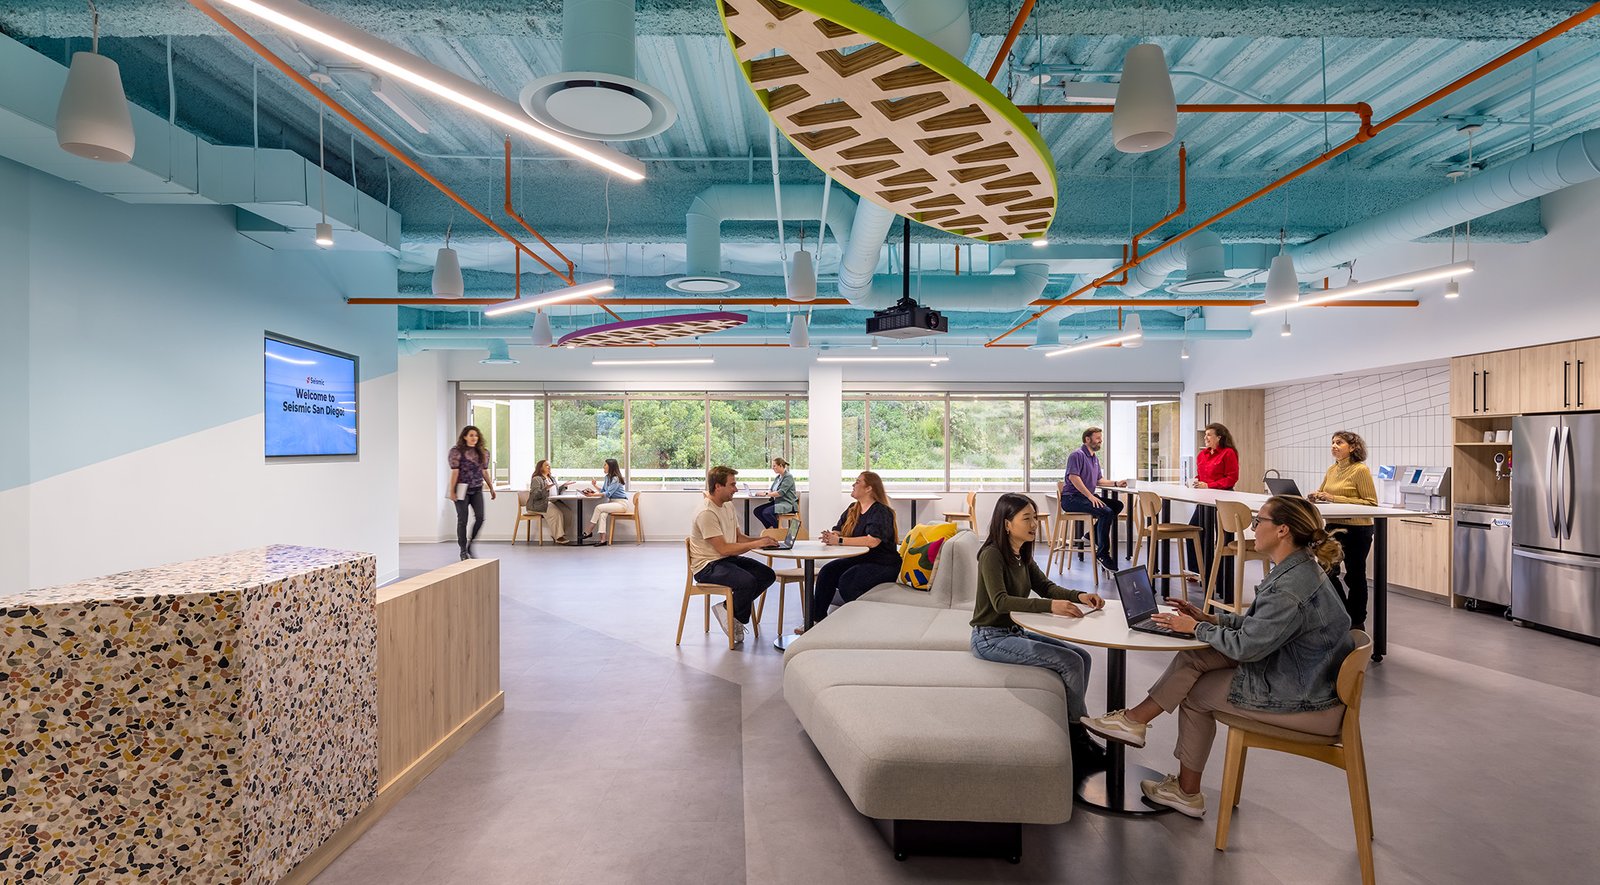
(1482, 567)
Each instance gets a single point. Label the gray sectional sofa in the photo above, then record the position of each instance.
(950, 753)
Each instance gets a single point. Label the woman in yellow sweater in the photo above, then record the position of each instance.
(1349, 481)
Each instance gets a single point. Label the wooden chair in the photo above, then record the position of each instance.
(524, 516)
(1343, 750)
(638, 524)
(786, 576)
(1067, 541)
(1153, 530)
(1233, 518)
(785, 518)
(690, 588)
(969, 516)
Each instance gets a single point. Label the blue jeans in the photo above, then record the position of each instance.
(1103, 518)
(1010, 645)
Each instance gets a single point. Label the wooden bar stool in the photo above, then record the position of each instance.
(524, 516)
(969, 516)
(1343, 750)
(785, 518)
(1066, 541)
(1233, 518)
(1152, 529)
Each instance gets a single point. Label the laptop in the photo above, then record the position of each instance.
(794, 532)
(1283, 487)
(1139, 602)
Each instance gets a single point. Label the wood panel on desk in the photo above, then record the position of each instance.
(438, 658)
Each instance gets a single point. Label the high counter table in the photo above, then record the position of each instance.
(1171, 491)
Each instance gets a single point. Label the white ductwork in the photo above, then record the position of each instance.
(946, 24)
(275, 189)
(1153, 273)
(595, 95)
(1574, 160)
(976, 292)
(753, 202)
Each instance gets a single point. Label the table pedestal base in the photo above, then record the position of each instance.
(1097, 791)
(783, 642)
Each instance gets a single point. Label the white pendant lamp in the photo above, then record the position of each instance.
(324, 235)
(800, 278)
(799, 335)
(1133, 327)
(1452, 289)
(447, 279)
(1146, 114)
(1285, 331)
(92, 119)
(1184, 354)
(543, 335)
(1282, 287)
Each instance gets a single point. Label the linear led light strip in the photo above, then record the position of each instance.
(582, 290)
(1367, 287)
(883, 359)
(701, 361)
(1093, 343)
(351, 41)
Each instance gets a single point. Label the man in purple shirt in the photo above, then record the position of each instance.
(1078, 496)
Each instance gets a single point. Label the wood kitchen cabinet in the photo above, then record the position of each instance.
(1546, 380)
(1486, 384)
(1243, 412)
(1419, 554)
(1586, 374)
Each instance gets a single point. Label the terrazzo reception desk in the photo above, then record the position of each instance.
(212, 721)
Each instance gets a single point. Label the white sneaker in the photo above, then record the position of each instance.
(1116, 726)
(738, 632)
(1167, 793)
(721, 611)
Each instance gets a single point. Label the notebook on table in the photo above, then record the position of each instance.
(1139, 602)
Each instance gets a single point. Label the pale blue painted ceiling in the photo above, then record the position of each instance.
(1383, 52)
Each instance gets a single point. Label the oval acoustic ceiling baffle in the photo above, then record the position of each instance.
(894, 118)
(648, 330)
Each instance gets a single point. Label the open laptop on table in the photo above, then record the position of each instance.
(1283, 487)
(788, 540)
(1139, 602)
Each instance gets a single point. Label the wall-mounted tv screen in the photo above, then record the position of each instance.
(311, 403)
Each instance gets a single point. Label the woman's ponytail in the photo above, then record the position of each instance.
(1327, 551)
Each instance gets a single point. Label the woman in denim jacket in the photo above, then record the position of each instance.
(1276, 663)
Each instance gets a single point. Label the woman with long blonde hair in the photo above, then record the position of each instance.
(868, 522)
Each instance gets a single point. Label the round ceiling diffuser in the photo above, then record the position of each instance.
(649, 330)
(702, 285)
(598, 106)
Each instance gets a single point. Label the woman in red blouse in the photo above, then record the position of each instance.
(1216, 467)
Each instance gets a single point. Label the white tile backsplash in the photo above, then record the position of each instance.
(1403, 416)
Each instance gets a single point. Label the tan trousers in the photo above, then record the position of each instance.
(1196, 685)
(555, 519)
(602, 513)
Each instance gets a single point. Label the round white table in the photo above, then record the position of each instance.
(1117, 788)
(914, 498)
(808, 552)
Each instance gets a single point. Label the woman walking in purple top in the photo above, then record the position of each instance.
(468, 458)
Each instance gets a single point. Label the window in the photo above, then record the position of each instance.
(986, 443)
(905, 444)
(1157, 435)
(583, 434)
(493, 420)
(667, 443)
(799, 426)
(1056, 427)
(746, 434)
(853, 431)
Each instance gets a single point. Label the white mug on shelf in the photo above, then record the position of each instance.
(1502, 436)
(1488, 436)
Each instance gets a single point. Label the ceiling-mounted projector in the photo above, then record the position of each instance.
(907, 319)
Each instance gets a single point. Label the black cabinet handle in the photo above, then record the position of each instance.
(1474, 393)
(1566, 382)
(1580, 384)
(1486, 390)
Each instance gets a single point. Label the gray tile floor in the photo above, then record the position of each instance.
(621, 758)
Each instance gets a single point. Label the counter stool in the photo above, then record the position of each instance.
(1343, 750)
(785, 518)
(1066, 541)
(968, 516)
(1152, 529)
(524, 516)
(1233, 518)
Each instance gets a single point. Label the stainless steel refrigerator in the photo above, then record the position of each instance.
(1555, 505)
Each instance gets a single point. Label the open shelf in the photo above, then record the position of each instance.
(1486, 445)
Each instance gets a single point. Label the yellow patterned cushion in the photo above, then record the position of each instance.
(920, 551)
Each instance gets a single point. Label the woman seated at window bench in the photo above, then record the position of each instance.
(868, 522)
(615, 491)
(540, 487)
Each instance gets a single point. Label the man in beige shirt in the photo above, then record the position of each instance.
(715, 548)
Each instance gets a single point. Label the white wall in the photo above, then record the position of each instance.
(1520, 295)
(426, 411)
(143, 407)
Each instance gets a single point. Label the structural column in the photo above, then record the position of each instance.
(826, 391)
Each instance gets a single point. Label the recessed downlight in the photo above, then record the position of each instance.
(702, 285)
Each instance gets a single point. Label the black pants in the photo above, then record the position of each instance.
(849, 578)
(768, 514)
(1203, 568)
(474, 500)
(748, 578)
(1350, 577)
(1103, 518)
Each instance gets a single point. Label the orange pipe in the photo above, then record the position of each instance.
(571, 268)
(244, 37)
(1183, 204)
(1124, 279)
(1360, 137)
(1360, 109)
(1011, 37)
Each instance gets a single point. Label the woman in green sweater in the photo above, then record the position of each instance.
(1007, 579)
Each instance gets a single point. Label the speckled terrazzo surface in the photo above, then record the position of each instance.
(207, 722)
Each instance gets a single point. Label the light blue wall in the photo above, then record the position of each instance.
(144, 322)
(14, 210)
